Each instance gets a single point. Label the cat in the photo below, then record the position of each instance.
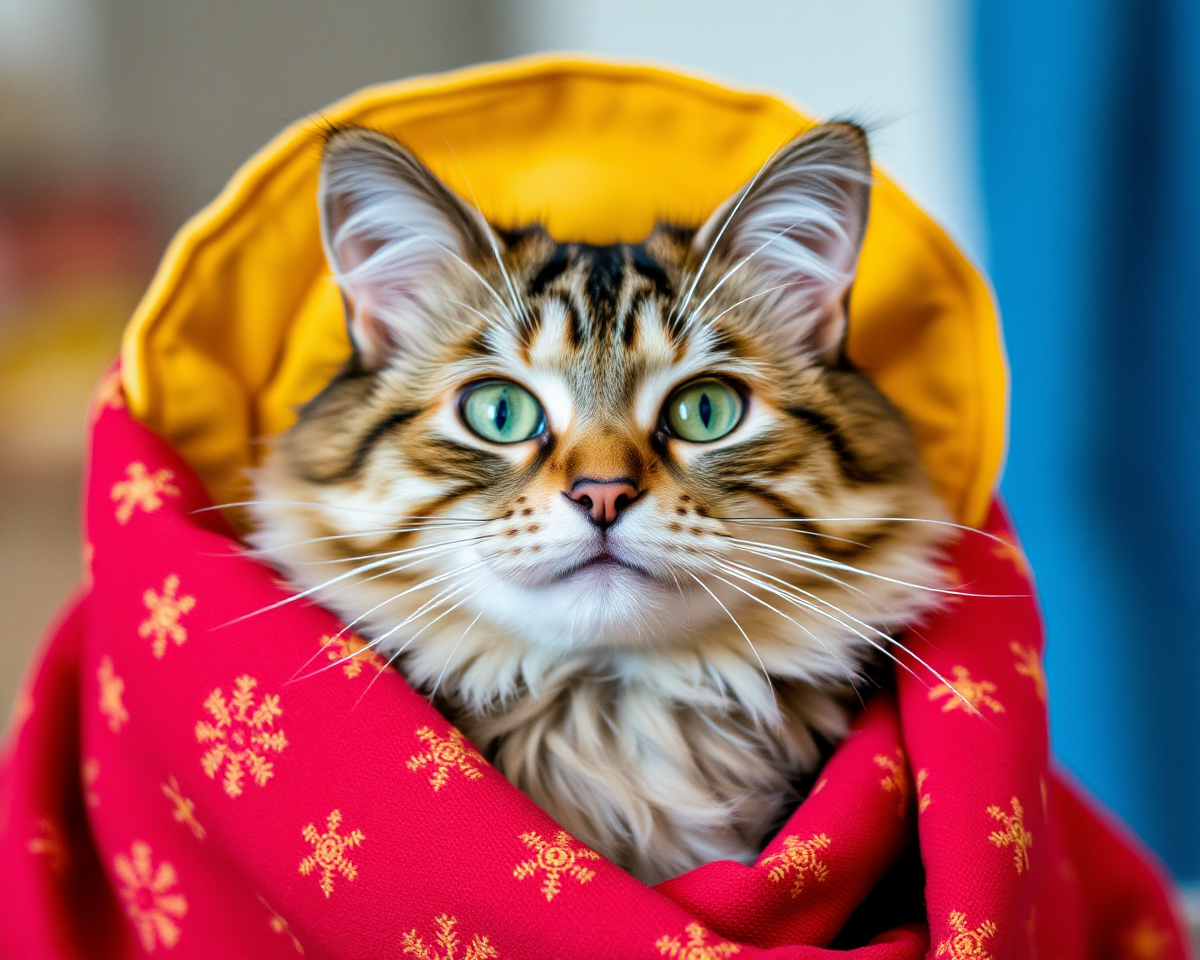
(627, 514)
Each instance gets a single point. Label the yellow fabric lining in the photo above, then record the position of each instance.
(242, 323)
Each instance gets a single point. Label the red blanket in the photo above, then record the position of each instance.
(177, 786)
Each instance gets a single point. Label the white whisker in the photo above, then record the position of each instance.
(517, 302)
(458, 643)
(809, 605)
(770, 685)
(712, 245)
(833, 656)
(819, 561)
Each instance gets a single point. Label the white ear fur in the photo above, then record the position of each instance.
(798, 226)
(391, 230)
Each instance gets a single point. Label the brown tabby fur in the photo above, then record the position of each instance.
(628, 701)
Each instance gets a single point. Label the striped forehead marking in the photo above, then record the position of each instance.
(597, 295)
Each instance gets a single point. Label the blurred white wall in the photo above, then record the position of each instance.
(195, 87)
(50, 59)
(901, 66)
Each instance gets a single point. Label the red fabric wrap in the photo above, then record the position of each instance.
(178, 784)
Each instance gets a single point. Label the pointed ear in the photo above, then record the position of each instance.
(392, 232)
(798, 226)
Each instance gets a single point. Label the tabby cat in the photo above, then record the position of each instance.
(626, 513)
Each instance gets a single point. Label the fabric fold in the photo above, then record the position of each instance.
(207, 766)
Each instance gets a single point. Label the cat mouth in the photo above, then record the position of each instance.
(604, 562)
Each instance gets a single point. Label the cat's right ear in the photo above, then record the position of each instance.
(393, 234)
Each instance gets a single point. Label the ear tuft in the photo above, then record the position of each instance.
(391, 231)
(798, 226)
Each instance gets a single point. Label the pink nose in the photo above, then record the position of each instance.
(603, 499)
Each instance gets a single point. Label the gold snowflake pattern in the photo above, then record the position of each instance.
(89, 773)
(184, 809)
(447, 943)
(1029, 664)
(1006, 549)
(798, 859)
(445, 754)
(141, 488)
(329, 851)
(555, 860)
(355, 652)
(895, 779)
(48, 843)
(696, 946)
(112, 692)
(1146, 940)
(166, 610)
(22, 709)
(109, 395)
(280, 925)
(1014, 834)
(965, 943)
(241, 736)
(924, 799)
(147, 892)
(966, 694)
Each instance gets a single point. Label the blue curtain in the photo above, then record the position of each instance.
(1090, 148)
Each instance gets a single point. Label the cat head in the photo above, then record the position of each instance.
(549, 448)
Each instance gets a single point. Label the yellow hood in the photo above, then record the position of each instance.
(242, 323)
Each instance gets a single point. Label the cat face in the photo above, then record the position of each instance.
(559, 448)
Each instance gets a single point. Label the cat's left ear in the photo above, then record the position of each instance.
(796, 230)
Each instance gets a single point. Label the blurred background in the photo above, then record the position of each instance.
(1059, 143)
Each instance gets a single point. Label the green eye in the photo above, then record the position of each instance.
(704, 410)
(502, 412)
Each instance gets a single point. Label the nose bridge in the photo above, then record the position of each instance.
(598, 453)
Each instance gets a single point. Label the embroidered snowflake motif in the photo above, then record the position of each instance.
(696, 946)
(965, 943)
(329, 851)
(112, 690)
(141, 488)
(447, 943)
(896, 779)
(447, 753)
(148, 897)
(242, 735)
(966, 694)
(280, 925)
(355, 652)
(798, 858)
(555, 860)
(923, 797)
(1029, 664)
(1148, 941)
(185, 809)
(48, 843)
(1014, 833)
(109, 395)
(1006, 549)
(166, 610)
(89, 773)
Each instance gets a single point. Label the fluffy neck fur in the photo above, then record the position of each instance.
(658, 684)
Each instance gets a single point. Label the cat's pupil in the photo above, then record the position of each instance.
(705, 409)
(501, 415)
